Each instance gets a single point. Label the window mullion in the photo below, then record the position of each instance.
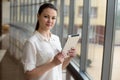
(108, 46)
(84, 44)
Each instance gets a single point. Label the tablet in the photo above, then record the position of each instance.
(71, 42)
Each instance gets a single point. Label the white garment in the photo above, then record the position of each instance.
(37, 51)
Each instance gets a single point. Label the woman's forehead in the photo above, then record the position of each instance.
(49, 11)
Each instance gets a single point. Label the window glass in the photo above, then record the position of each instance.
(118, 16)
(25, 13)
(116, 56)
(29, 12)
(77, 29)
(15, 11)
(22, 10)
(18, 10)
(34, 13)
(66, 19)
(96, 30)
(80, 11)
(56, 29)
(93, 13)
(66, 10)
(11, 11)
(26, 2)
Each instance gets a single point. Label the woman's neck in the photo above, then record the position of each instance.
(46, 34)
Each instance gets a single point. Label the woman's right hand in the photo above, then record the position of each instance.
(59, 58)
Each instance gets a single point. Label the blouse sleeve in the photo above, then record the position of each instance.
(29, 56)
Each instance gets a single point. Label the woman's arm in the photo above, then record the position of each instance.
(58, 59)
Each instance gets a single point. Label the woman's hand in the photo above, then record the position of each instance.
(72, 52)
(59, 58)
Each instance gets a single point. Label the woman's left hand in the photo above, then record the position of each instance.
(72, 52)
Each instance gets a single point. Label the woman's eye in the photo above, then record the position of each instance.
(54, 18)
(46, 16)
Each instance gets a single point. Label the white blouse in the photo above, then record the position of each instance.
(37, 51)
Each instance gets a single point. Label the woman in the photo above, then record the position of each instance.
(43, 59)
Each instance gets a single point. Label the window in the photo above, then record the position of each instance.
(80, 11)
(93, 12)
(116, 47)
(118, 16)
(95, 40)
(66, 10)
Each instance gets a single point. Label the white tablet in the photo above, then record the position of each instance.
(71, 42)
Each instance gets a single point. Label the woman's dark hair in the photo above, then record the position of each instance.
(42, 7)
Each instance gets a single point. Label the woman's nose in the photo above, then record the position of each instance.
(49, 20)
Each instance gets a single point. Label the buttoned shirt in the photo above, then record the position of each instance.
(38, 51)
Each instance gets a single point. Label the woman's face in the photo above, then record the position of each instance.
(47, 19)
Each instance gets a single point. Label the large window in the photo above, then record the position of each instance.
(96, 39)
(77, 28)
(116, 53)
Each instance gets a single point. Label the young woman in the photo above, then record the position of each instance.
(42, 55)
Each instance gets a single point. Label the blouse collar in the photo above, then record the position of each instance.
(43, 37)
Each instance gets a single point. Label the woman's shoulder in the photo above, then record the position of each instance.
(55, 36)
(32, 38)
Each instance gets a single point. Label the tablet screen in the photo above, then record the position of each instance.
(71, 42)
